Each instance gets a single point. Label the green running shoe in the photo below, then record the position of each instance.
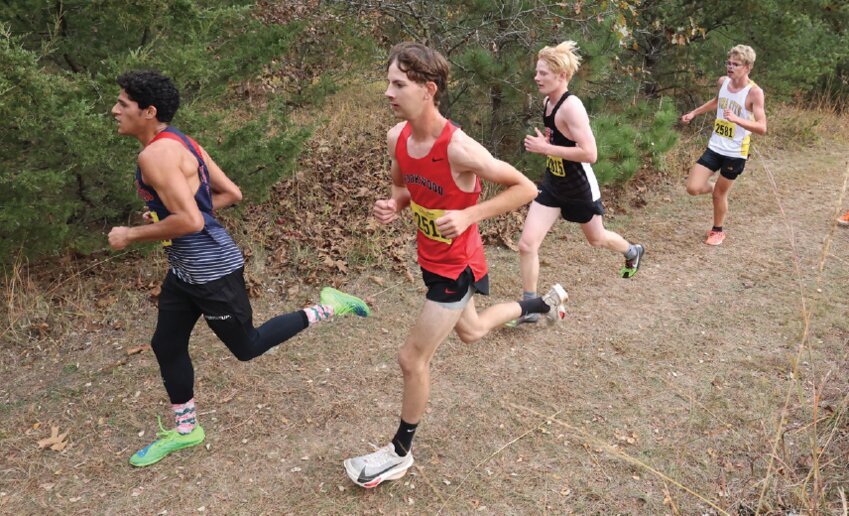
(343, 303)
(169, 441)
(525, 319)
(633, 265)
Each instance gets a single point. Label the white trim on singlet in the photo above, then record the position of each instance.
(593, 182)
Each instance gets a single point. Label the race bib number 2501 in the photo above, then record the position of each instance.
(426, 222)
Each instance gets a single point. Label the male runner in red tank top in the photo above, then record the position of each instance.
(436, 171)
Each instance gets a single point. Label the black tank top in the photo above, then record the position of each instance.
(563, 178)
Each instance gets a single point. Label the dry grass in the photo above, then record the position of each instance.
(714, 382)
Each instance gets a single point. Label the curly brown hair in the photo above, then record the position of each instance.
(422, 64)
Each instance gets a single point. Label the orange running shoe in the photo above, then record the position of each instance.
(715, 237)
(843, 220)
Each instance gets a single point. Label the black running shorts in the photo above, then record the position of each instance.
(573, 210)
(218, 300)
(729, 168)
(446, 290)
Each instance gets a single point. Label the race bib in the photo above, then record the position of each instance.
(426, 221)
(155, 218)
(724, 128)
(555, 166)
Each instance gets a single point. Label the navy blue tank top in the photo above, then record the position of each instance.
(208, 254)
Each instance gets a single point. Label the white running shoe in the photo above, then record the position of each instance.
(555, 298)
(370, 470)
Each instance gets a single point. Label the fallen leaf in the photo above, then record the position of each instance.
(138, 349)
(56, 442)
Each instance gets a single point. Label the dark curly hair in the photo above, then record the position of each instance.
(151, 88)
(421, 64)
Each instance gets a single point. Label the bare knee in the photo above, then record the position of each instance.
(597, 241)
(720, 194)
(528, 246)
(411, 362)
(695, 189)
(470, 336)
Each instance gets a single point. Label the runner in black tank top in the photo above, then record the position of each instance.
(567, 180)
(569, 188)
(182, 186)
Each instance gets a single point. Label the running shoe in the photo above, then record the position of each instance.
(370, 470)
(715, 237)
(555, 298)
(843, 220)
(169, 441)
(633, 265)
(343, 303)
(525, 319)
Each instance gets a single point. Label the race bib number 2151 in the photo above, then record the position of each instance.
(426, 222)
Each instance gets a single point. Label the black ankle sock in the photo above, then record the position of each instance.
(403, 440)
(534, 306)
(717, 228)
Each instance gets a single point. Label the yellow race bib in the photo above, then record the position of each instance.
(426, 221)
(555, 166)
(155, 218)
(724, 128)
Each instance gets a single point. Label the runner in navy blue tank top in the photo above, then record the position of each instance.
(569, 188)
(182, 187)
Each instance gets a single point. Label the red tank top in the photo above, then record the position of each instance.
(432, 191)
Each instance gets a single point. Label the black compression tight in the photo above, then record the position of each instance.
(170, 344)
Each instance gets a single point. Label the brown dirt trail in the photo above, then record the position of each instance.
(665, 392)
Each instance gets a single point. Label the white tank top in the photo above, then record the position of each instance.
(728, 138)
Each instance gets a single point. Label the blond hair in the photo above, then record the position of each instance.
(563, 58)
(744, 53)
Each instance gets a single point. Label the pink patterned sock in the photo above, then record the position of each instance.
(186, 416)
(316, 313)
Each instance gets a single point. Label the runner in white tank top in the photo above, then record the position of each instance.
(739, 106)
(729, 139)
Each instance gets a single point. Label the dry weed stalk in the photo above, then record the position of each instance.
(496, 452)
(22, 301)
(816, 498)
(616, 452)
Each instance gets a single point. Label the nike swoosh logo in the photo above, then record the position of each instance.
(450, 291)
(363, 478)
(436, 159)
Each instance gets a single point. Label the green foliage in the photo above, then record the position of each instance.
(627, 138)
(616, 140)
(66, 175)
(657, 134)
(681, 45)
(46, 151)
(492, 47)
(246, 150)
